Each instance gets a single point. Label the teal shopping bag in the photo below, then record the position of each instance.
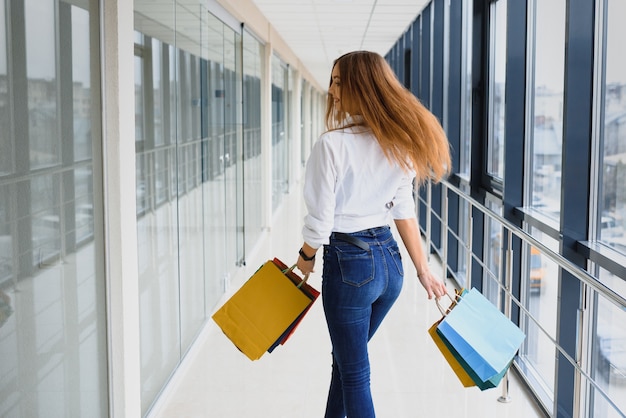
(481, 335)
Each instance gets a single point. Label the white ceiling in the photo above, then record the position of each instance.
(318, 31)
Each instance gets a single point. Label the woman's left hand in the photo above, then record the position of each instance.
(432, 285)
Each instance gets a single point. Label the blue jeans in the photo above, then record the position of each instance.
(358, 289)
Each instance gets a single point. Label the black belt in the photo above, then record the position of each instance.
(352, 240)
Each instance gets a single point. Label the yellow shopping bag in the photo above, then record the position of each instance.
(460, 372)
(258, 314)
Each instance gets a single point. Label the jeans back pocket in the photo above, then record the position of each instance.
(356, 266)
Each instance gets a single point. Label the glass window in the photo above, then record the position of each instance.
(232, 144)
(492, 274)
(7, 263)
(142, 184)
(305, 128)
(188, 85)
(184, 74)
(608, 364)
(157, 181)
(139, 97)
(253, 173)
(41, 62)
(216, 109)
(495, 146)
(183, 120)
(280, 147)
(82, 84)
(52, 290)
(83, 203)
(46, 219)
(191, 211)
(194, 100)
(613, 169)
(215, 188)
(158, 96)
(160, 171)
(6, 143)
(547, 74)
(540, 289)
(466, 89)
(465, 141)
(465, 218)
(172, 57)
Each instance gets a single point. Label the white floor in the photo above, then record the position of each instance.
(410, 378)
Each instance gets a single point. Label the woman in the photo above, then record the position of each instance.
(360, 173)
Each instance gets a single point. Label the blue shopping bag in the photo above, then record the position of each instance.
(481, 335)
(492, 382)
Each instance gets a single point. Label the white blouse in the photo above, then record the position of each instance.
(350, 185)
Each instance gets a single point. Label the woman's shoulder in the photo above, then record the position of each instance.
(350, 132)
(330, 139)
(346, 138)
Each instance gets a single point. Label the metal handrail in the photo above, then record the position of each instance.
(586, 279)
(572, 268)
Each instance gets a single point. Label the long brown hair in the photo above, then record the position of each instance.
(406, 130)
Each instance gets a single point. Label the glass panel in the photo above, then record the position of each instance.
(6, 143)
(280, 165)
(547, 105)
(7, 259)
(232, 144)
(466, 132)
(183, 120)
(156, 78)
(173, 98)
(160, 172)
(613, 186)
(52, 291)
(214, 189)
(44, 142)
(540, 284)
(142, 191)
(184, 111)
(46, 219)
(82, 84)
(83, 209)
(139, 105)
(464, 243)
(253, 64)
(157, 86)
(609, 352)
(158, 299)
(466, 92)
(304, 152)
(492, 275)
(190, 206)
(495, 160)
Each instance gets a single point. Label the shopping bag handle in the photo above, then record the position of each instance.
(306, 276)
(453, 301)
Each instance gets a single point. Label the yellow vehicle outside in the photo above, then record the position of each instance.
(536, 270)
